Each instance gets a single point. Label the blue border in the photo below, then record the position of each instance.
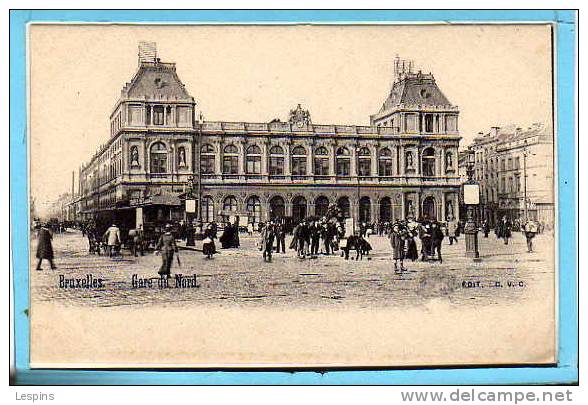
(567, 368)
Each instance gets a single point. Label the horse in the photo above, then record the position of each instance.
(361, 246)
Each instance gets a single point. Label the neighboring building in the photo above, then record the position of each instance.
(502, 158)
(404, 164)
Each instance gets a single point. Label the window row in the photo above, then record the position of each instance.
(299, 161)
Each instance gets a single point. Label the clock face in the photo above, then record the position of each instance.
(299, 124)
(425, 93)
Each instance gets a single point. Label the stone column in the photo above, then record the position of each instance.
(332, 158)
(417, 208)
(287, 160)
(242, 157)
(401, 163)
(219, 156)
(374, 160)
(310, 161)
(353, 166)
(403, 204)
(265, 158)
(442, 171)
(443, 203)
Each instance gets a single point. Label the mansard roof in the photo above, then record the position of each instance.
(415, 89)
(158, 81)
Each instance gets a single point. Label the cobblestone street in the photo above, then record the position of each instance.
(240, 277)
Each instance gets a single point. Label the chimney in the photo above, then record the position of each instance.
(147, 52)
(494, 131)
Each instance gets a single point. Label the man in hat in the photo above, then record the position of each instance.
(167, 246)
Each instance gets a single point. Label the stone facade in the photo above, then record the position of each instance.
(503, 157)
(259, 170)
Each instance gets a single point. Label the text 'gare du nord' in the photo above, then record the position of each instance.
(405, 164)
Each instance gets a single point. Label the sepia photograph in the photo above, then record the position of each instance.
(303, 195)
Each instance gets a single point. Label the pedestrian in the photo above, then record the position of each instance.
(486, 228)
(112, 239)
(136, 241)
(166, 245)
(208, 246)
(530, 229)
(280, 231)
(452, 231)
(504, 228)
(315, 238)
(397, 241)
(267, 241)
(425, 236)
(45, 247)
(437, 240)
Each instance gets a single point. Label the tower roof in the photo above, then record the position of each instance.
(415, 89)
(156, 80)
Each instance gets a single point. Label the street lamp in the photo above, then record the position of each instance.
(199, 166)
(471, 196)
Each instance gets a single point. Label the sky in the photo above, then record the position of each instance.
(496, 74)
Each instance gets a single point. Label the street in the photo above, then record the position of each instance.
(240, 277)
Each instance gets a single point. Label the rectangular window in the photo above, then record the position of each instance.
(343, 167)
(385, 167)
(276, 166)
(365, 167)
(321, 167)
(230, 165)
(253, 164)
(298, 166)
(207, 164)
(158, 115)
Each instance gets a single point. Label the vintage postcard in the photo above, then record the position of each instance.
(324, 196)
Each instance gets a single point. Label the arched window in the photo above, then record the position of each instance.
(254, 209)
(365, 210)
(386, 209)
(364, 162)
(230, 204)
(343, 162)
(385, 162)
(321, 206)
(321, 161)
(344, 207)
(277, 207)
(429, 162)
(253, 160)
(158, 158)
(298, 209)
(231, 160)
(299, 161)
(276, 161)
(207, 209)
(207, 159)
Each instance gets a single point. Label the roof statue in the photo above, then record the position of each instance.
(299, 116)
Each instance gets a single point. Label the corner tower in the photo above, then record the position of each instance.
(416, 105)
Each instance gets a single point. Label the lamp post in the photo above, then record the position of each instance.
(471, 199)
(199, 166)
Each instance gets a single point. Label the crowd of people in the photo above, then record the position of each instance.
(311, 237)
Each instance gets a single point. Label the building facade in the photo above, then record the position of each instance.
(514, 168)
(404, 164)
